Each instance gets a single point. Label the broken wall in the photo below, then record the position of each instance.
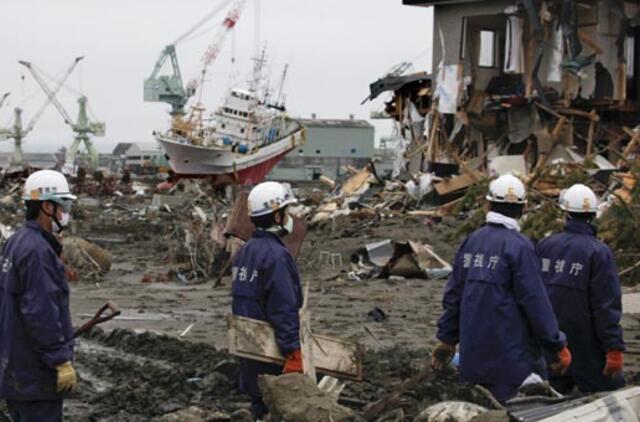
(449, 19)
(597, 23)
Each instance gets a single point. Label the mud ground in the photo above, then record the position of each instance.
(139, 367)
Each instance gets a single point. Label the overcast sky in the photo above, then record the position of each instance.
(335, 48)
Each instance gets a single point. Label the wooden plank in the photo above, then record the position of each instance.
(457, 183)
(327, 181)
(630, 146)
(253, 339)
(621, 82)
(548, 110)
(585, 38)
(355, 182)
(593, 116)
(592, 129)
(306, 338)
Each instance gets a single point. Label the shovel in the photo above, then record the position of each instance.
(99, 318)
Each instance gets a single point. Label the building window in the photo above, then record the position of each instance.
(300, 152)
(223, 125)
(317, 151)
(487, 49)
(242, 130)
(353, 150)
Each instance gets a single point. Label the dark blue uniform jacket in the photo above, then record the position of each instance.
(581, 278)
(36, 333)
(266, 286)
(496, 307)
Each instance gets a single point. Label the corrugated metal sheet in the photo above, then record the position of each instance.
(621, 405)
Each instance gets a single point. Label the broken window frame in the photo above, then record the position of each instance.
(499, 42)
(494, 44)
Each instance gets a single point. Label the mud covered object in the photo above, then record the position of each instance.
(83, 256)
(450, 411)
(296, 398)
(415, 260)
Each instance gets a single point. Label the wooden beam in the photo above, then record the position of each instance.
(548, 110)
(592, 129)
(632, 144)
(306, 339)
(585, 38)
(593, 116)
(542, 160)
(628, 131)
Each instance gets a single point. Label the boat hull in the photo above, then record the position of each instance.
(223, 165)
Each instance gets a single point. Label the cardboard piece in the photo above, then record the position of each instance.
(254, 339)
(507, 164)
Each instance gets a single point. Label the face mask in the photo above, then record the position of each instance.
(288, 226)
(64, 221)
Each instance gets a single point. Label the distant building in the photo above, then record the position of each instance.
(331, 144)
(41, 160)
(137, 156)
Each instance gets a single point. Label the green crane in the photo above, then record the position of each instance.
(83, 128)
(168, 88)
(18, 132)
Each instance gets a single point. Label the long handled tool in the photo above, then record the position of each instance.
(99, 318)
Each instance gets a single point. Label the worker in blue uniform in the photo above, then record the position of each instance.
(266, 286)
(36, 335)
(495, 305)
(582, 282)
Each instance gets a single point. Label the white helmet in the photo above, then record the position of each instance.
(269, 197)
(47, 185)
(579, 198)
(507, 189)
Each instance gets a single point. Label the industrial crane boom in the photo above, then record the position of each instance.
(51, 94)
(4, 97)
(170, 88)
(213, 51)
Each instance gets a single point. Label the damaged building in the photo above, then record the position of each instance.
(520, 84)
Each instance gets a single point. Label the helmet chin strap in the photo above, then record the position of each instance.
(283, 216)
(53, 216)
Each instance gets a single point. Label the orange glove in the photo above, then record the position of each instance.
(615, 360)
(293, 362)
(442, 355)
(562, 364)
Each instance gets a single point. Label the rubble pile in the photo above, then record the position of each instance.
(86, 258)
(194, 231)
(145, 376)
(309, 404)
(135, 377)
(184, 227)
